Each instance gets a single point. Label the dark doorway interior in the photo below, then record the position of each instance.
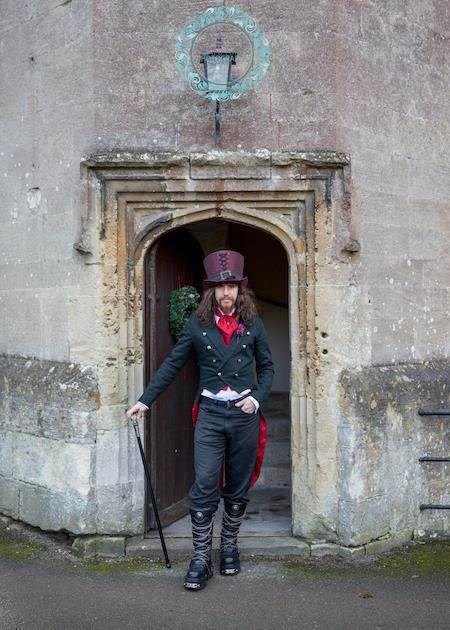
(175, 260)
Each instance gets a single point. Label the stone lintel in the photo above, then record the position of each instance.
(132, 159)
(217, 164)
(326, 157)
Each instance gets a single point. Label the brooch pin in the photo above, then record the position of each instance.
(240, 330)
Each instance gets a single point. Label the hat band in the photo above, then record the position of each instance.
(224, 275)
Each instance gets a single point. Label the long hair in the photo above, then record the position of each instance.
(246, 307)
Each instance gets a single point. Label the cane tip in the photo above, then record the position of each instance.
(168, 565)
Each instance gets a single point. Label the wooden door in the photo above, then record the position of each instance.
(174, 261)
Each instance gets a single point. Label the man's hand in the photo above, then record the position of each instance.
(138, 410)
(247, 405)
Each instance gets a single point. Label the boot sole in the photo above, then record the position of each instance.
(229, 571)
(195, 586)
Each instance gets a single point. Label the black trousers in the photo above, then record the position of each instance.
(223, 436)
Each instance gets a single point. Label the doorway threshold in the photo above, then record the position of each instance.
(268, 514)
(265, 532)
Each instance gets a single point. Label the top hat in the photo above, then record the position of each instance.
(224, 266)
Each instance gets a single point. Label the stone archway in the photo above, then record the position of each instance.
(302, 201)
(170, 443)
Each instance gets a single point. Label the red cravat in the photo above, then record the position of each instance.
(227, 324)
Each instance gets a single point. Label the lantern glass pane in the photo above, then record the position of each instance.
(218, 70)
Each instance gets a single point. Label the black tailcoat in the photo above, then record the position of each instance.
(219, 364)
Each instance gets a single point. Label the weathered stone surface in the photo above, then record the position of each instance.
(178, 548)
(99, 546)
(9, 497)
(230, 165)
(108, 68)
(382, 437)
(48, 398)
(324, 549)
(64, 510)
(388, 542)
(351, 552)
(52, 464)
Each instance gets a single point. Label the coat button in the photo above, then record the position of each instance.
(236, 375)
(243, 345)
(239, 360)
(214, 360)
(248, 332)
(219, 373)
(208, 347)
(204, 334)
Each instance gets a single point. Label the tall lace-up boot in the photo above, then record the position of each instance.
(200, 567)
(233, 515)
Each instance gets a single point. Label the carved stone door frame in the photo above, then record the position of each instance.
(302, 199)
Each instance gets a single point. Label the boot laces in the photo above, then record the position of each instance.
(202, 539)
(230, 530)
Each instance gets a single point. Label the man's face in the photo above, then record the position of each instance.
(226, 295)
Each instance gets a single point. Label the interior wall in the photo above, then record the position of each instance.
(276, 322)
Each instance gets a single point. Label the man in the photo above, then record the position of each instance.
(229, 339)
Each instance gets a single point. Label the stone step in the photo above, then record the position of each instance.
(277, 452)
(181, 548)
(277, 404)
(275, 476)
(278, 428)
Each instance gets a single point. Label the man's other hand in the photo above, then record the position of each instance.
(246, 405)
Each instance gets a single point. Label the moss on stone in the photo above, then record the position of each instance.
(18, 549)
(413, 559)
(420, 559)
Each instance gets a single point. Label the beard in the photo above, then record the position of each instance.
(226, 305)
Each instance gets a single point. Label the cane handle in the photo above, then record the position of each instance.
(134, 420)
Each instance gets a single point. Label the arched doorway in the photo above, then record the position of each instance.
(176, 258)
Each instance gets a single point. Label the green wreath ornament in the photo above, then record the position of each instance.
(182, 303)
(222, 15)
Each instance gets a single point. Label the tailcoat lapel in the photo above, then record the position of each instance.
(213, 334)
(235, 345)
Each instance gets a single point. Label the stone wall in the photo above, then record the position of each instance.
(382, 437)
(365, 78)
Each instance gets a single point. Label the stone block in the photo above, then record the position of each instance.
(90, 547)
(9, 497)
(6, 450)
(223, 165)
(117, 511)
(324, 549)
(351, 552)
(48, 398)
(274, 547)
(109, 446)
(363, 520)
(388, 542)
(51, 464)
(65, 510)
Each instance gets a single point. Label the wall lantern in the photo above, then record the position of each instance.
(208, 72)
(217, 71)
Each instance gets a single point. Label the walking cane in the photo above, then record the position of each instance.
(150, 487)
